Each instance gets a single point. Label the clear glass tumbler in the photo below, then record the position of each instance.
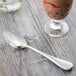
(10, 5)
(57, 10)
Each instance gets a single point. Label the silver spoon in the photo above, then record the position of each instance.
(19, 42)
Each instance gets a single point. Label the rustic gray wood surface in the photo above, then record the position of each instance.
(29, 22)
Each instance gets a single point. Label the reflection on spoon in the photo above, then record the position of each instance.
(19, 42)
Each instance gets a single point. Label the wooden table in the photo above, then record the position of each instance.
(29, 22)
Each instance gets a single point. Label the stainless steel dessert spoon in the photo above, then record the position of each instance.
(19, 42)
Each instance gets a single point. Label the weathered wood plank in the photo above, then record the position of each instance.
(29, 22)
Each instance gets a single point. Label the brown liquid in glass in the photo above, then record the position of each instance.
(57, 9)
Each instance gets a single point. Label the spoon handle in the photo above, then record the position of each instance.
(65, 65)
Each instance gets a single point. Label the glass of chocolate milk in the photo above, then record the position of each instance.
(57, 10)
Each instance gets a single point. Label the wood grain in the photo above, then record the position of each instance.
(29, 22)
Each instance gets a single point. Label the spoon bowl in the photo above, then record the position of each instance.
(15, 41)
